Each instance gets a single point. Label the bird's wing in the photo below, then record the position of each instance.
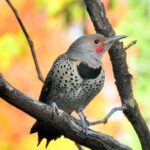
(46, 89)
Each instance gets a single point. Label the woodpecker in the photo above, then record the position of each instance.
(75, 78)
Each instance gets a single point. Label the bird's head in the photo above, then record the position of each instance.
(90, 48)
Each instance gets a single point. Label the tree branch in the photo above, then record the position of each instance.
(30, 42)
(123, 77)
(130, 44)
(64, 122)
(105, 119)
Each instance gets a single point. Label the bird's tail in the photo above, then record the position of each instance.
(44, 132)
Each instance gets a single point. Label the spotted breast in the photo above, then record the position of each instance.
(72, 84)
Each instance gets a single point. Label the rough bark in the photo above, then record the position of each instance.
(67, 125)
(120, 68)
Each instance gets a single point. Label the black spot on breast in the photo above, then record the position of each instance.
(66, 81)
(71, 79)
(87, 72)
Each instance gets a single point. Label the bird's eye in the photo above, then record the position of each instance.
(96, 41)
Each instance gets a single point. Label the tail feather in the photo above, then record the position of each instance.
(43, 132)
(40, 138)
(47, 142)
(34, 128)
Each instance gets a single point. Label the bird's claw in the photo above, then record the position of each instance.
(55, 109)
(84, 127)
(84, 123)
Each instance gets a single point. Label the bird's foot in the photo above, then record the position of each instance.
(55, 109)
(105, 119)
(84, 122)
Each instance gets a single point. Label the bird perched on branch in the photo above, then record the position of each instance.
(75, 78)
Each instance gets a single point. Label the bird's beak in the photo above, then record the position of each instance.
(112, 39)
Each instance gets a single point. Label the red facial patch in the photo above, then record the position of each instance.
(100, 48)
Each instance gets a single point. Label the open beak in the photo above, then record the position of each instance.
(112, 39)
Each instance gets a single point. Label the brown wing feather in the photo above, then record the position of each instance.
(39, 127)
(46, 89)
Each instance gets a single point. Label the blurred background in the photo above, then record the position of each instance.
(53, 25)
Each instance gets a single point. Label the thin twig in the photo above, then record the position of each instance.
(104, 120)
(130, 44)
(30, 42)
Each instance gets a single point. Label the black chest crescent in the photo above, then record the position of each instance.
(87, 72)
